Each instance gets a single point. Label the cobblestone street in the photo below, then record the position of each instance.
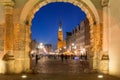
(52, 65)
(55, 69)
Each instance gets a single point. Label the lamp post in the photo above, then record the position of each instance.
(40, 46)
(73, 48)
(83, 53)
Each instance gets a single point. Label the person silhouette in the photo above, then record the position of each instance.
(37, 58)
(62, 56)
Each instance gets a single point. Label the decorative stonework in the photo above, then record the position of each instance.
(19, 37)
(104, 63)
(8, 24)
(8, 57)
(8, 2)
(28, 39)
(85, 5)
(104, 2)
(1, 38)
(1, 33)
(92, 16)
(19, 45)
(1, 45)
(96, 38)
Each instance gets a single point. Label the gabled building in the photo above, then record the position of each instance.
(79, 38)
(48, 47)
(68, 41)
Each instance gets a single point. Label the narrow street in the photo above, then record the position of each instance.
(55, 65)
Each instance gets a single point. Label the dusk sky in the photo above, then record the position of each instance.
(45, 24)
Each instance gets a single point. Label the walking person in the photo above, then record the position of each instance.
(66, 57)
(36, 59)
(62, 56)
(36, 63)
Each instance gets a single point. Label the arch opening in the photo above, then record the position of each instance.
(90, 16)
(49, 16)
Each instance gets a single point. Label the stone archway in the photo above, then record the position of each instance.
(20, 49)
(86, 6)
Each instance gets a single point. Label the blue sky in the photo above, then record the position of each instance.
(45, 24)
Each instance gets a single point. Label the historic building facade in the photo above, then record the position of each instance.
(79, 39)
(61, 42)
(34, 45)
(48, 48)
(68, 40)
(16, 17)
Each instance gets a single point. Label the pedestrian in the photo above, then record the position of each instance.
(36, 59)
(62, 56)
(66, 57)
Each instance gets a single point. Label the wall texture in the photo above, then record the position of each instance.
(1, 13)
(114, 38)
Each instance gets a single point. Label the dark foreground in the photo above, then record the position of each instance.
(55, 76)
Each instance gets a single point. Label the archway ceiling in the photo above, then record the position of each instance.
(32, 6)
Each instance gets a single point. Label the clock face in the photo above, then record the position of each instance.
(59, 39)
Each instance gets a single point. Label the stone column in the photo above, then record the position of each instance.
(2, 34)
(104, 61)
(9, 57)
(19, 48)
(92, 55)
(27, 47)
(95, 47)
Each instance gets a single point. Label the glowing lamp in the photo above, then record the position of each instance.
(100, 76)
(24, 76)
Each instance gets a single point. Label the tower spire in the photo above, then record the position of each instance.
(61, 42)
(60, 25)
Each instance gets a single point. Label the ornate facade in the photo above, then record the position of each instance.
(61, 43)
(80, 37)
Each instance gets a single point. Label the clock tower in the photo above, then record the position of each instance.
(61, 42)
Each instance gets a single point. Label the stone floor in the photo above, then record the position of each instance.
(55, 69)
(57, 76)
(52, 65)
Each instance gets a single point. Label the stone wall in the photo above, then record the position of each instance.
(114, 38)
(2, 16)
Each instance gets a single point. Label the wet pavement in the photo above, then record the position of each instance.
(55, 69)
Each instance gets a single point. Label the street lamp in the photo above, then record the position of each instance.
(24, 76)
(40, 46)
(100, 76)
(73, 44)
(83, 53)
(73, 48)
(64, 47)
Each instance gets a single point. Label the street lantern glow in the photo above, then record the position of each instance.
(64, 47)
(40, 46)
(74, 47)
(60, 49)
(24, 76)
(82, 51)
(100, 76)
(73, 44)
